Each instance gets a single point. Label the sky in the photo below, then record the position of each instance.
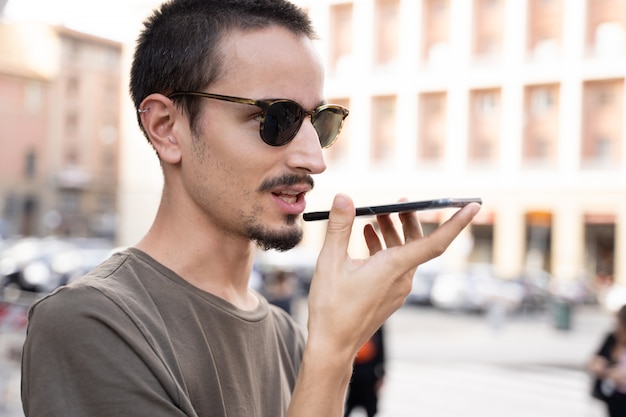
(112, 19)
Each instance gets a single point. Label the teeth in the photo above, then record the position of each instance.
(289, 197)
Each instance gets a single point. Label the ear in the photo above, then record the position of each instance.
(159, 117)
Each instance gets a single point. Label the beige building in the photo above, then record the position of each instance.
(520, 102)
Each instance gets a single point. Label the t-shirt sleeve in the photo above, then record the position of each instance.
(84, 356)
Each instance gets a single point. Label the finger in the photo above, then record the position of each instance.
(388, 230)
(371, 239)
(411, 226)
(419, 251)
(339, 227)
(392, 238)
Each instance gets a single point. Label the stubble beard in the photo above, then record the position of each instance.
(286, 238)
(278, 240)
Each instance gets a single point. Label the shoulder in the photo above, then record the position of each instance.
(288, 330)
(105, 293)
(283, 320)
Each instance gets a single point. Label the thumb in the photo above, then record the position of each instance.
(339, 228)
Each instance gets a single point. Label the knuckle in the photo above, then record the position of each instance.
(338, 227)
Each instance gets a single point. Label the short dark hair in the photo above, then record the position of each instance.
(178, 48)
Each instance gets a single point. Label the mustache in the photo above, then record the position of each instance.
(286, 180)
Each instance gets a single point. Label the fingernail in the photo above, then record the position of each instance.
(475, 208)
(341, 202)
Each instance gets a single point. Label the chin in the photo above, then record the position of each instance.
(281, 239)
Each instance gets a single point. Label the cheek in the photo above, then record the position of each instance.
(212, 174)
(222, 175)
(231, 164)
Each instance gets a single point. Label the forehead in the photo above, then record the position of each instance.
(270, 63)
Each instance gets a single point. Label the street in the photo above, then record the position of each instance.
(444, 365)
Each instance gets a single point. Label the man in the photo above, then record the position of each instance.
(229, 94)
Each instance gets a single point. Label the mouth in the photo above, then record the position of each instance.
(288, 192)
(290, 201)
(288, 196)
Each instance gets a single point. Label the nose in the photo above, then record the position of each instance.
(305, 151)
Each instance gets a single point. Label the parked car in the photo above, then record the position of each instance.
(535, 285)
(474, 289)
(575, 291)
(298, 261)
(42, 264)
(423, 281)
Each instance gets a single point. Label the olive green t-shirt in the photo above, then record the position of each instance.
(132, 338)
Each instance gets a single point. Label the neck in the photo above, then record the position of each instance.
(203, 256)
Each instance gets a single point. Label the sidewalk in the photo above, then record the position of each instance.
(446, 365)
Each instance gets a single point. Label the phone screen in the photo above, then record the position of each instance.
(399, 207)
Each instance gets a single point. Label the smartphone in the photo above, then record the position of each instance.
(399, 207)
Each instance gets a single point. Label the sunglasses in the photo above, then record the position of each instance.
(281, 119)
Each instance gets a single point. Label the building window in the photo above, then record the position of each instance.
(603, 147)
(609, 40)
(341, 33)
(482, 150)
(540, 149)
(484, 133)
(486, 103)
(542, 100)
(488, 28)
(606, 26)
(73, 85)
(604, 97)
(603, 108)
(30, 164)
(72, 49)
(71, 124)
(70, 201)
(33, 97)
(436, 24)
(387, 20)
(541, 127)
(545, 27)
(110, 58)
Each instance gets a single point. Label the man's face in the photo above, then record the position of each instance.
(242, 186)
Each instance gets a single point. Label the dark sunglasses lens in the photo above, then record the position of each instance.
(327, 123)
(281, 123)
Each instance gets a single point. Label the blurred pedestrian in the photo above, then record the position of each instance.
(367, 376)
(608, 367)
(281, 289)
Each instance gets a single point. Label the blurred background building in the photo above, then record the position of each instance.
(60, 116)
(520, 102)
